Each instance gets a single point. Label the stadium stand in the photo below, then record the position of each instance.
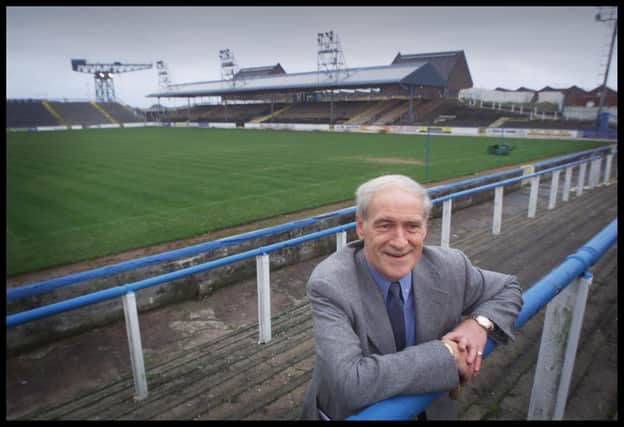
(373, 111)
(319, 112)
(456, 113)
(121, 113)
(27, 113)
(238, 113)
(393, 115)
(79, 113)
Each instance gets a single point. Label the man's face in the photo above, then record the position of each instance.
(393, 233)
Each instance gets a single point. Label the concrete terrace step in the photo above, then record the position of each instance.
(196, 374)
(233, 377)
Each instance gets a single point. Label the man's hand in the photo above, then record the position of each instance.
(469, 337)
(465, 370)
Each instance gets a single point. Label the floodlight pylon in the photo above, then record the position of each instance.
(164, 81)
(610, 14)
(330, 58)
(229, 67)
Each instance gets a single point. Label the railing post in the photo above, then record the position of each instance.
(581, 179)
(533, 196)
(598, 170)
(567, 184)
(550, 363)
(446, 223)
(498, 210)
(583, 284)
(554, 187)
(264, 298)
(607, 172)
(341, 240)
(527, 170)
(136, 348)
(594, 169)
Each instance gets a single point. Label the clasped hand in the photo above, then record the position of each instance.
(469, 340)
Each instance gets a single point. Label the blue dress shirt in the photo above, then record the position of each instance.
(409, 314)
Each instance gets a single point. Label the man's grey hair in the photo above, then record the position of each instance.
(365, 192)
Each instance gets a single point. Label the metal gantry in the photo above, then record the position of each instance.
(103, 75)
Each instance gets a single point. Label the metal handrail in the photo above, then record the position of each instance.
(511, 180)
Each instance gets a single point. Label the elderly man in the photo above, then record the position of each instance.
(395, 317)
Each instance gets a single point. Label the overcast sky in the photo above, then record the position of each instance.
(504, 46)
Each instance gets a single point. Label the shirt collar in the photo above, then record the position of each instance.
(384, 284)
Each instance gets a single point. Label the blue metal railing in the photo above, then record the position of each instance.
(117, 291)
(535, 298)
(510, 180)
(103, 295)
(76, 278)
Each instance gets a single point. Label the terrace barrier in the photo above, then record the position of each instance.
(127, 291)
(552, 380)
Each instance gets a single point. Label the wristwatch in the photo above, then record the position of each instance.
(484, 322)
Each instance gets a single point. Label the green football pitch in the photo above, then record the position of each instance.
(77, 195)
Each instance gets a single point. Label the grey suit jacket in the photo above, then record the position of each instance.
(356, 361)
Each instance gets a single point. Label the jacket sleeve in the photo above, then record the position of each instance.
(495, 295)
(351, 376)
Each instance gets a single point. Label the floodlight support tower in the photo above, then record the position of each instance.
(164, 81)
(611, 16)
(330, 57)
(331, 61)
(103, 76)
(229, 67)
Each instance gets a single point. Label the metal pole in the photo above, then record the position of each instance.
(607, 172)
(500, 148)
(446, 223)
(427, 156)
(498, 210)
(134, 343)
(567, 183)
(264, 298)
(554, 186)
(533, 196)
(603, 93)
(341, 240)
(581, 179)
(592, 175)
(583, 284)
(550, 359)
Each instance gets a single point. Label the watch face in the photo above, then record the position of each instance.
(484, 321)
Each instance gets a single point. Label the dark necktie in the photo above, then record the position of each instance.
(395, 311)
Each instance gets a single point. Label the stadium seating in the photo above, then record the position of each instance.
(319, 112)
(237, 113)
(28, 114)
(79, 113)
(121, 113)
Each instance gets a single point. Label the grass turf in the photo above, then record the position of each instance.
(77, 195)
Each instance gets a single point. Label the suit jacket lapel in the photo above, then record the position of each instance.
(430, 301)
(379, 328)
